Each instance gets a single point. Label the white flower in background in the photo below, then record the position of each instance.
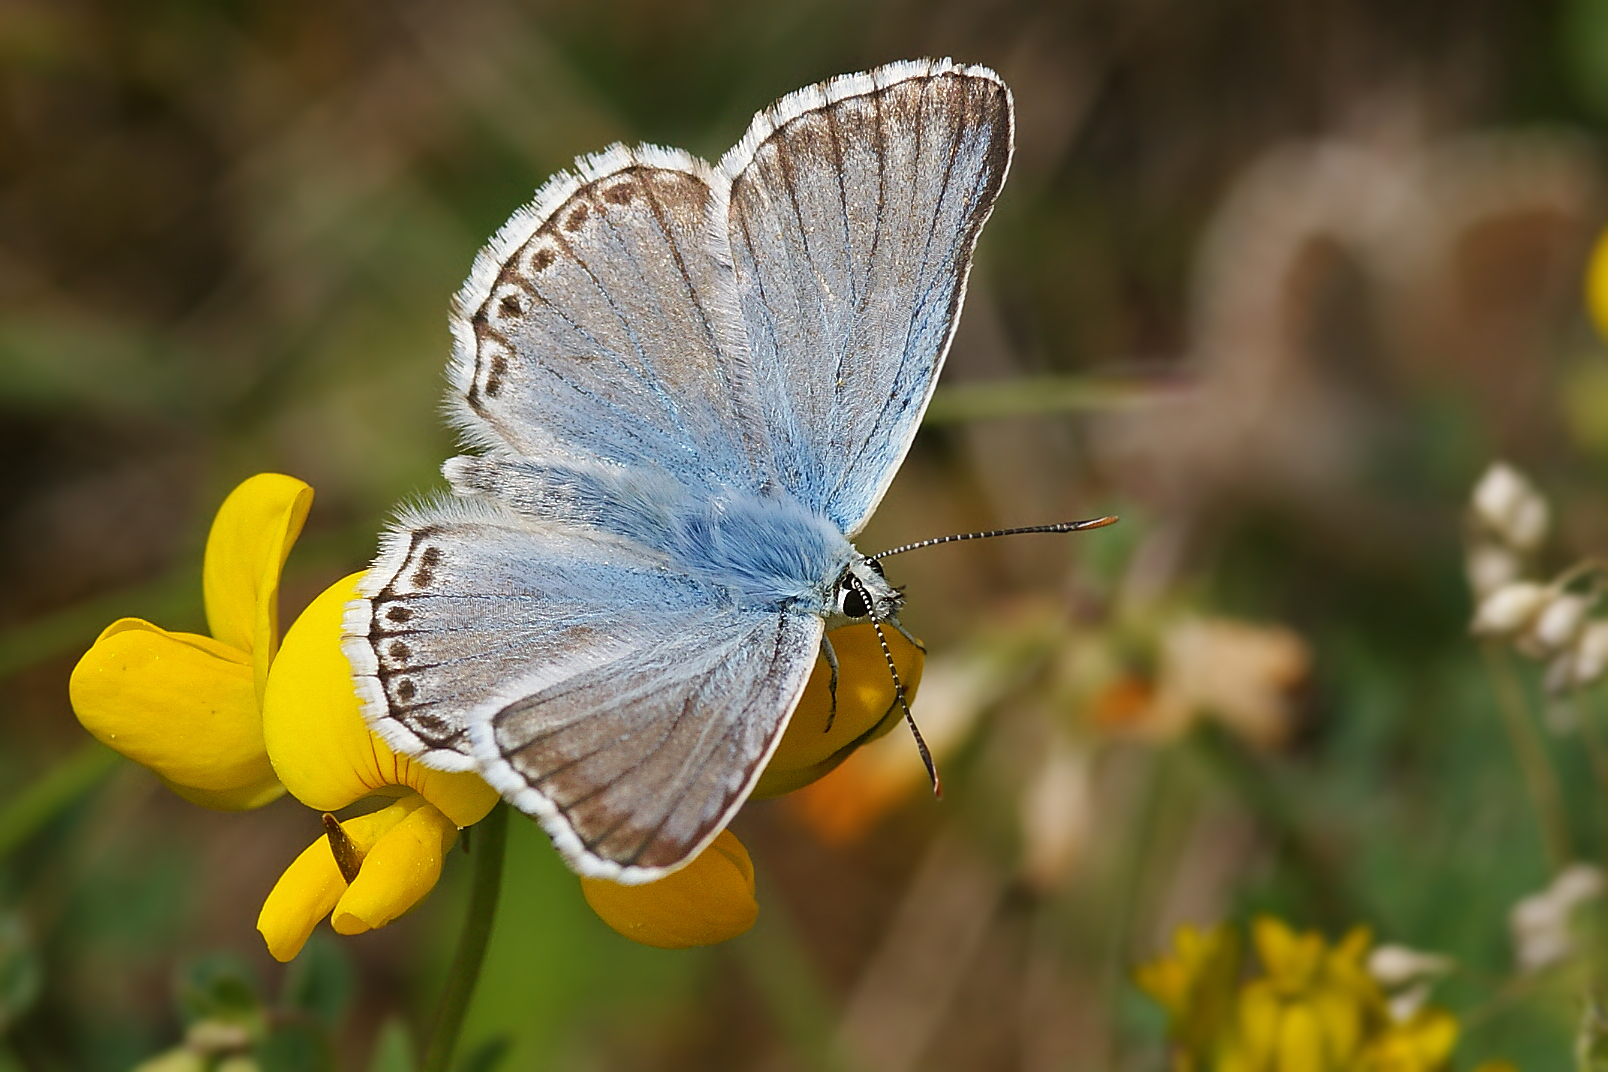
(1510, 609)
(1581, 664)
(1559, 624)
(1510, 508)
(1541, 922)
(1407, 976)
(1551, 622)
(1491, 565)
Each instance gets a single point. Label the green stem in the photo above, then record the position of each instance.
(491, 838)
(1540, 780)
(1138, 855)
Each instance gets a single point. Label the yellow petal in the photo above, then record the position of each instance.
(1421, 1044)
(1196, 985)
(867, 707)
(304, 894)
(182, 705)
(1291, 959)
(1257, 1023)
(246, 550)
(708, 901)
(1597, 285)
(1301, 1043)
(316, 736)
(402, 866)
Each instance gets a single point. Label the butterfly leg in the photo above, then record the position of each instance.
(918, 645)
(832, 664)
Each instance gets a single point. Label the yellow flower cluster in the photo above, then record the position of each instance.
(1311, 1007)
(235, 719)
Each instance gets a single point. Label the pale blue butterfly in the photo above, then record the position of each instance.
(689, 386)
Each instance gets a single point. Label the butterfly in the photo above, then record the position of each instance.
(686, 387)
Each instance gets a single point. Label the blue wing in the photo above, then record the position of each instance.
(601, 323)
(854, 208)
(626, 705)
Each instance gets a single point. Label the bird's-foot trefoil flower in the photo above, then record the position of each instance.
(365, 871)
(234, 720)
(188, 706)
(1307, 1006)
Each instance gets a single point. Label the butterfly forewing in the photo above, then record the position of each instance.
(854, 209)
(601, 324)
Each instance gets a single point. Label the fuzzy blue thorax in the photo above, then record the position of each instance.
(767, 549)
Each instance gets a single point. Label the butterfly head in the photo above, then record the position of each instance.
(862, 593)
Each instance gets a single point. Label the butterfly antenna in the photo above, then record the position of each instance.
(1064, 526)
(910, 720)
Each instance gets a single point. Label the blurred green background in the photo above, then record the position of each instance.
(1273, 280)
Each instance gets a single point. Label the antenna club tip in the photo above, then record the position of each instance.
(1102, 522)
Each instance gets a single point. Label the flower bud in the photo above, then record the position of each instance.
(1506, 503)
(1590, 654)
(1491, 565)
(1510, 608)
(1541, 924)
(1393, 966)
(1558, 624)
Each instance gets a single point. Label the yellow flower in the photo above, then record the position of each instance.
(1421, 1043)
(1313, 1007)
(1597, 284)
(1195, 985)
(234, 720)
(1311, 1011)
(708, 901)
(187, 706)
(383, 863)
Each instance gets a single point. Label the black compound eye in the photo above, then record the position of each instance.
(854, 603)
(874, 564)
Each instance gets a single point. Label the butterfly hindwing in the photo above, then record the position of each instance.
(854, 208)
(634, 766)
(468, 601)
(627, 707)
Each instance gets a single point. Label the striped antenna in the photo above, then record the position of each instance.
(1064, 526)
